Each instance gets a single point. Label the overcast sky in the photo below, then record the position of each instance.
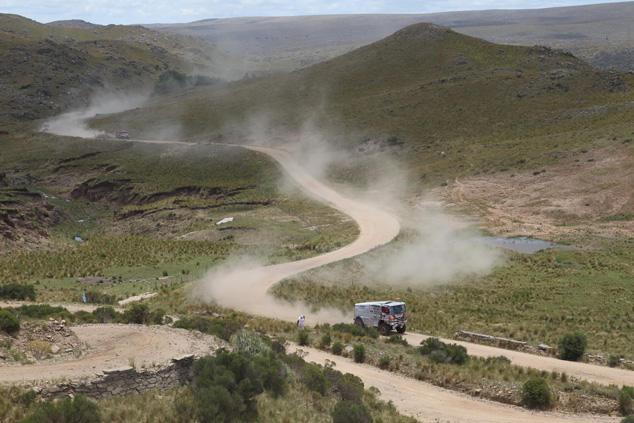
(177, 11)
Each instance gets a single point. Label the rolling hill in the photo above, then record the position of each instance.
(48, 69)
(600, 34)
(423, 91)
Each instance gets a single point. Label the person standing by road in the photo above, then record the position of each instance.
(300, 322)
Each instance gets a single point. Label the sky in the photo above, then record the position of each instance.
(180, 11)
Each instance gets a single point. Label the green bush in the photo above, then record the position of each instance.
(157, 316)
(628, 419)
(138, 314)
(350, 412)
(572, 346)
(626, 400)
(536, 393)
(303, 338)
(79, 409)
(222, 328)
(8, 322)
(314, 379)
(396, 339)
(82, 316)
(15, 291)
(225, 387)
(440, 353)
(384, 362)
(336, 348)
(356, 330)
(326, 340)
(106, 314)
(94, 297)
(359, 353)
(42, 311)
(348, 386)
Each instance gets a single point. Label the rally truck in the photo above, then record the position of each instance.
(384, 315)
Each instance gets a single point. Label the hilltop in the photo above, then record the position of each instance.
(49, 69)
(600, 34)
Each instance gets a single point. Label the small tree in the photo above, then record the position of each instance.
(8, 322)
(536, 393)
(572, 346)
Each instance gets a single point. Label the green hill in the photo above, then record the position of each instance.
(48, 69)
(424, 94)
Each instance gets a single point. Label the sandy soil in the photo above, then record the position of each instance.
(116, 346)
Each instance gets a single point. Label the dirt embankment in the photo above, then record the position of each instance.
(590, 192)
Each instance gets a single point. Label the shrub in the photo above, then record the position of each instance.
(79, 409)
(536, 393)
(626, 400)
(8, 322)
(314, 379)
(302, 338)
(138, 313)
(42, 311)
(384, 362)
(82, 316)
(439, 352)
(349, 386)
(396, 339)
(356, 330)
(223, 328)
(157, 316)
(105, 314)
(350, 412)
(628, 419)
(39, 349)
(326, 340)
(337, 348)
(225, 387)
(572, 346)
(94, 297)
(15, 291)
(359, 353)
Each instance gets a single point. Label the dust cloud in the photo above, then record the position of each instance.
(435, 248)
(238, 284)
(74, 123)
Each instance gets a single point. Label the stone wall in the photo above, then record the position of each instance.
(127, 380)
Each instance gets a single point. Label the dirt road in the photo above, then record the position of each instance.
(116, 346)
(429, 403)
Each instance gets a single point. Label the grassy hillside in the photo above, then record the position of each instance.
(48, 69)
(600, 34)
(446, 104)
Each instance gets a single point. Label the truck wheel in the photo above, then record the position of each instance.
(384, 329)
(401, 329)
(359, 322)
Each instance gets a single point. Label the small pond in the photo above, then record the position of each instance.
(521, 244)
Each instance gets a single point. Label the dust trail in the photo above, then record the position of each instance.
(74, 123)
(245, 288)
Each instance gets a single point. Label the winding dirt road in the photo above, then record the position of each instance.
(116, 345)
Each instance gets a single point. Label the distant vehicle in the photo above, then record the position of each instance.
(45, 127)
(384, 315)
(121, 135)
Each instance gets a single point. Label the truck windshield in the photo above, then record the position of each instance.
(398, 309)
